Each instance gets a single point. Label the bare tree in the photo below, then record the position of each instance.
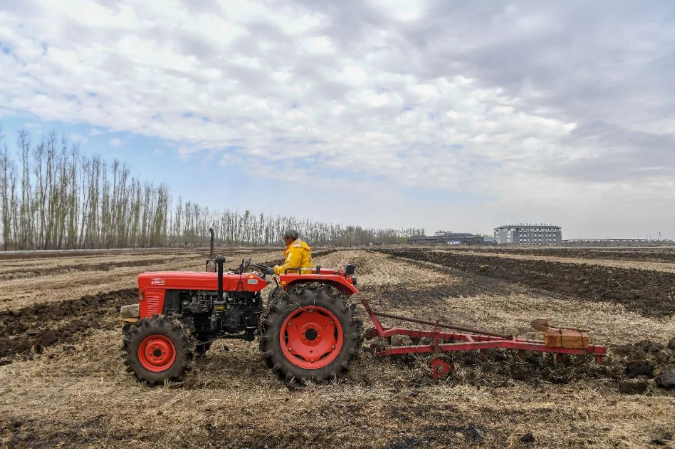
(6, 181)
(60, 199)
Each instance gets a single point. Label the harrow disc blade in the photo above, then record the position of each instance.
(441, 366)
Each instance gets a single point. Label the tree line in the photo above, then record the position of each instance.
(52, 197)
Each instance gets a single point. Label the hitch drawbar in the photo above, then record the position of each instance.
(557, 341)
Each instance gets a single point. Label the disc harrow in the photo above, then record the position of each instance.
(558, 341)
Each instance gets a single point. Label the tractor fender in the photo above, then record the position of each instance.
(339, 282)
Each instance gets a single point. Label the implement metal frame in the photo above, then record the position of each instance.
(471, 339)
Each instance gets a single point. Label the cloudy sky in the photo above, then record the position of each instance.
(443, 115)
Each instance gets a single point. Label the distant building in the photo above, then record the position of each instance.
(529, 234)
(447, 238)
(424, 240)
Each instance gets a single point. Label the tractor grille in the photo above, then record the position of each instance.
(153, 300)
(172, 301)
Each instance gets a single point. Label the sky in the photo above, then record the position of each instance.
(448, 115)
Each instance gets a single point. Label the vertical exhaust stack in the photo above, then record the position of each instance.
(212, 242)
(210, 263)
(220, 260)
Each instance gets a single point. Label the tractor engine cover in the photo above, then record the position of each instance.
(192, 298)
(153, 286)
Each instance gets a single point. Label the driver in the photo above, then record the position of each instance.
(298, 254)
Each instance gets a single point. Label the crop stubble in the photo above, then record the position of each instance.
(74, 391)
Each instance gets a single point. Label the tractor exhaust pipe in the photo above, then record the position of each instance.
(220, 260)
(212, 242)
(210, 264)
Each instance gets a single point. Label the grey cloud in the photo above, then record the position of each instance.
(587, 60)
(583, 62)
(490, 98)
(621, 155)
(189, 43)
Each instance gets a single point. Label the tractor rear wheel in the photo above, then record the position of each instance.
(309, 333)
(158, 349)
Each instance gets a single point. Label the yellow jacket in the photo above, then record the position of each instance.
(298, 255)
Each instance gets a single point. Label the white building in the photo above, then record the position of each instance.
(529, 234)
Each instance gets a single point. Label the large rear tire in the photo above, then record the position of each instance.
(309, 333)
(158, 349)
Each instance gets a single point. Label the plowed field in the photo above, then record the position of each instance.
(63, 384)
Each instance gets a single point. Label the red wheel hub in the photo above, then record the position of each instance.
(311, 337)
(440, 367)
(156, 353)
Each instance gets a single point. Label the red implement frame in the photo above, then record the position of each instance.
(471, 339)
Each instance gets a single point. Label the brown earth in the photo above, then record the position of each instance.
(658, 254)
(618, 263)
(69, 388)
(650, 293)
(24, 282)
(31, 330)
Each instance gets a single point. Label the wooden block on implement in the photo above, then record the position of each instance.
(128, 320)
(566, 338)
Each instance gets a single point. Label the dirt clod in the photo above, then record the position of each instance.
(527, 438)
(667, 377)
(649, 346)
(639, 368)
(634, 387)
(662, 438)
(646, 358)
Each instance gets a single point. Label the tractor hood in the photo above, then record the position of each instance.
(192, 280)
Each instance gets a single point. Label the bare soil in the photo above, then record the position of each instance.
(657, 254)
(668, 267)
(24, 282)
(62, 383)
(31, 330)
(651, 293)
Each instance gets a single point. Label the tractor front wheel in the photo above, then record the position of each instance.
(310, 333)
(158, 349)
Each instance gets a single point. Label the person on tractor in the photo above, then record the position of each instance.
(298, 255)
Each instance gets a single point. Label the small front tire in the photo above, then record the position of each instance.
(158, 349)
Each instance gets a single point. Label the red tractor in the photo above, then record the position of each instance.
(307, 330)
